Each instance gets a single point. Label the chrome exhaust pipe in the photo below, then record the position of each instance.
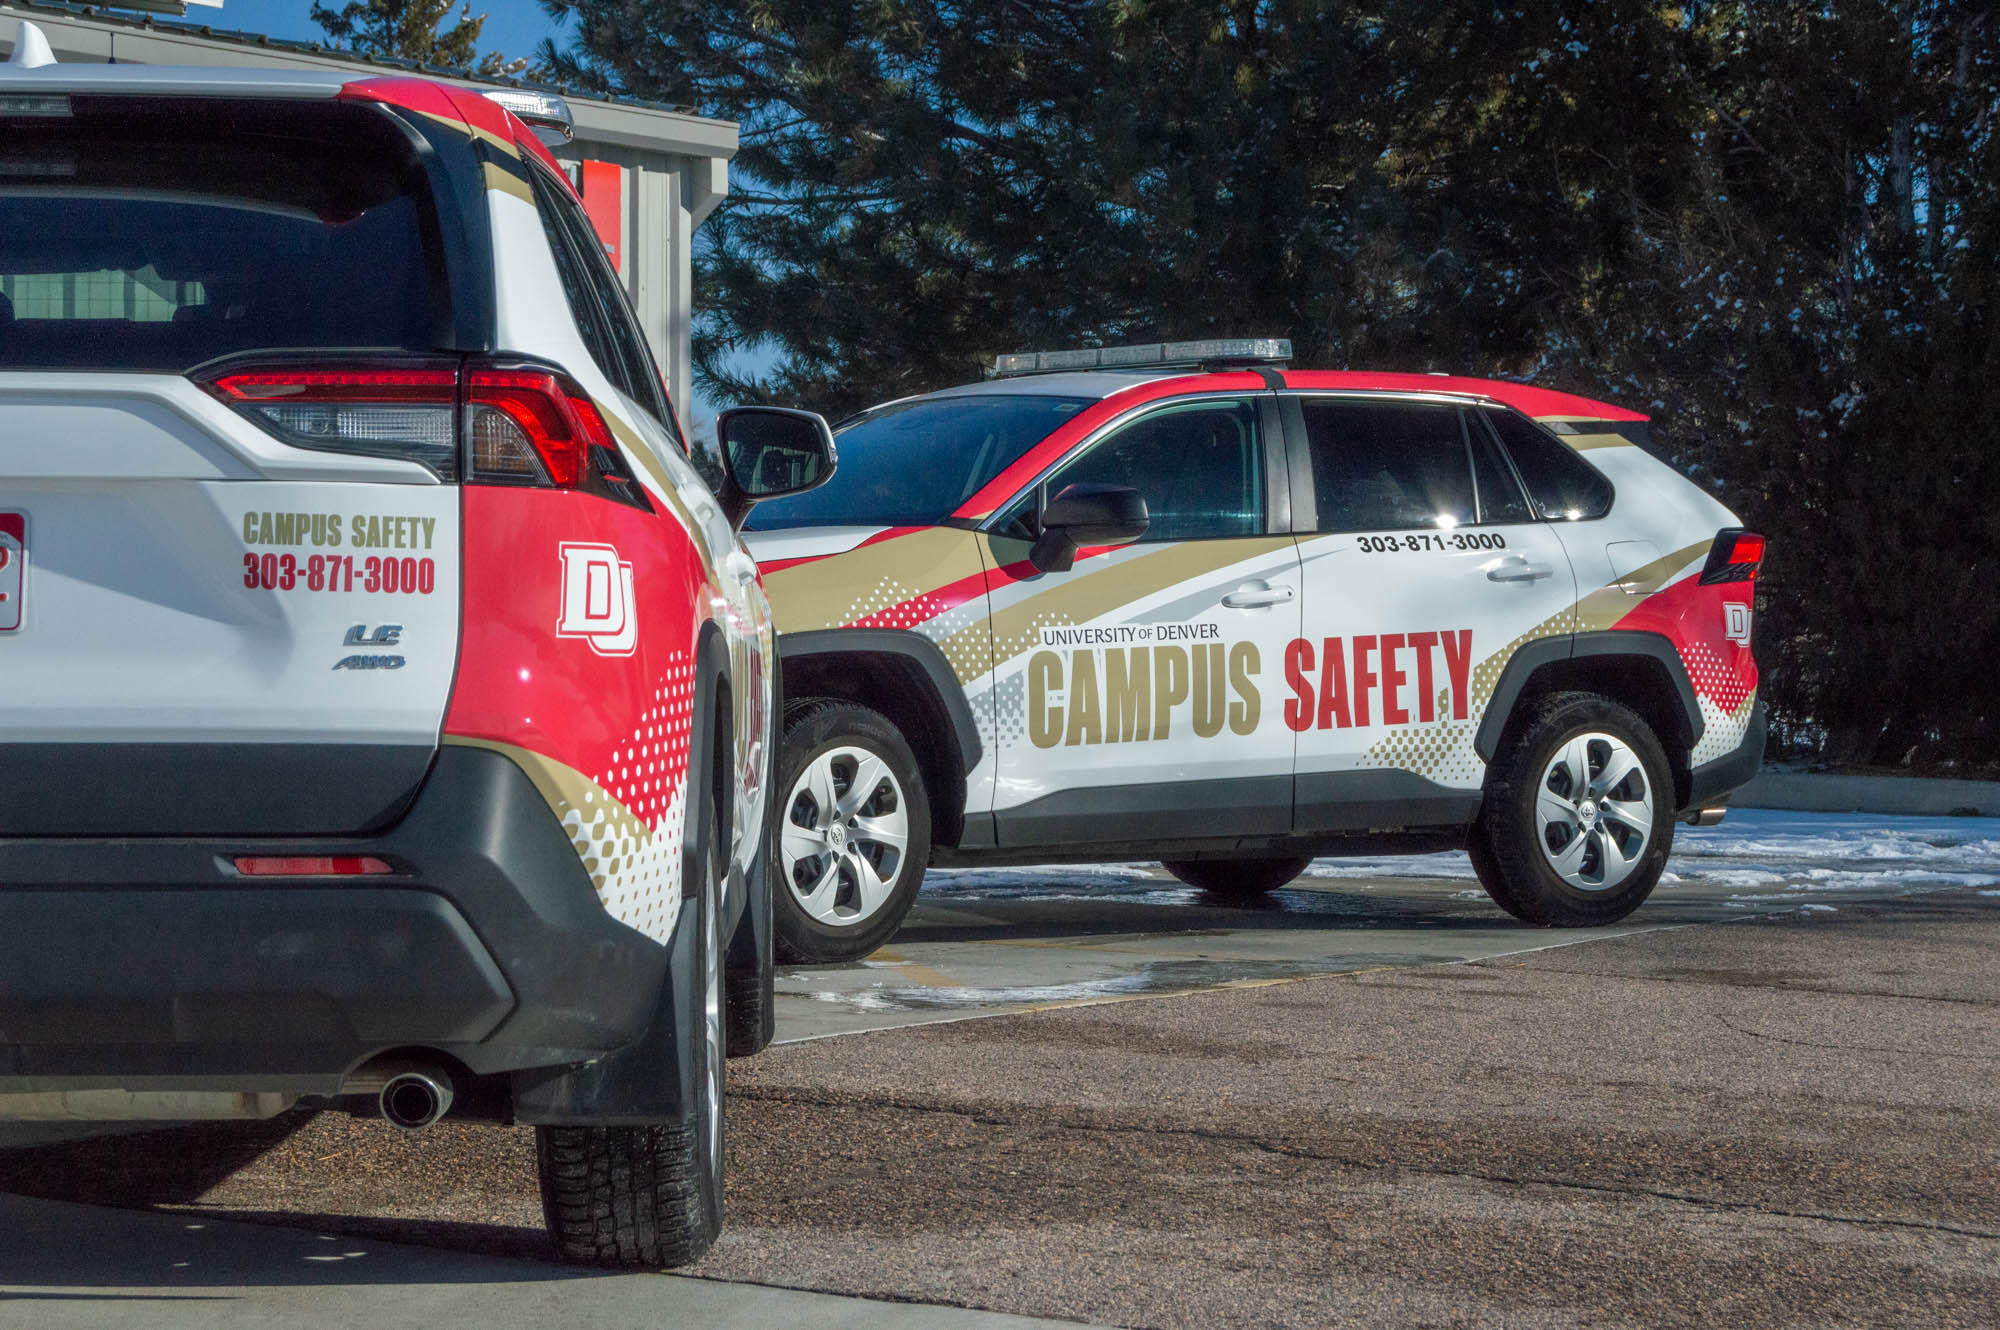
(1708, 817)
(415, 1099)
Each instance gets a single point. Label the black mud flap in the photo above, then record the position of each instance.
(650, 1080)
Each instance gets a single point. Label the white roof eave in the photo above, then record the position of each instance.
(169, 62)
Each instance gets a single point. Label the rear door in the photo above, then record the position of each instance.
(226, 499)
(1424, 569)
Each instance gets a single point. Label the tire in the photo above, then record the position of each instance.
(1237, 878)
(1561, 854)
(650, 1196)
(837, 896)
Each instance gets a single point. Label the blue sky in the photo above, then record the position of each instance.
(513, 27)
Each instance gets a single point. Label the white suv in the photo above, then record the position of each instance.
(385, 703)
(1182, 603)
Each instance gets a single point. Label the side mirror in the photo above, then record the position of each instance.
(1087, 515)
(769, 452)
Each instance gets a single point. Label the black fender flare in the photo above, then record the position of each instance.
(1549, 650)
(920, 651)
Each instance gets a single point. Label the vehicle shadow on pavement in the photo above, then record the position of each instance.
(173, 1165)
(56, 1252)
(951, 914)
(184, 1177)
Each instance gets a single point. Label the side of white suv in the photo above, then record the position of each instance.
(385, 703)
(1205, 609)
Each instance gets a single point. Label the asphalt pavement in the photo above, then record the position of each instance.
(1770, 1100)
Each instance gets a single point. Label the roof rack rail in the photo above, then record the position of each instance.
(1212, 353)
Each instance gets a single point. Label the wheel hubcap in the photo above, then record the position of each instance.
(1594, 812)
(846, 828)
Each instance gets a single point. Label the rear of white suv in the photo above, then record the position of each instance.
(384, 701)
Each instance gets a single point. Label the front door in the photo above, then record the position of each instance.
(1424, 571)
(1136, 694)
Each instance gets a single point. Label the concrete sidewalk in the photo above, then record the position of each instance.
(1833, 792)
(64, 1265)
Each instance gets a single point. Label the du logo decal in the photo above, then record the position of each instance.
(597, 600)
(1736, 622)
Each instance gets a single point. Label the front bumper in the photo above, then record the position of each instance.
(150, 965)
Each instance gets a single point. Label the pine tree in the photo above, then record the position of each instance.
(1770, 223)
(413, 30)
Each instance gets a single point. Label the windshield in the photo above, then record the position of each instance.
(913, 463)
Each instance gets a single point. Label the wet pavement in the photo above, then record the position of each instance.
(1773, 1098)
(997, 941)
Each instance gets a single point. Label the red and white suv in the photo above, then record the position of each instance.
(1184, 603)
(385, 703)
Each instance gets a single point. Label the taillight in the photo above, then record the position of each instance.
(1734, 557)
(402, 411)
(529, 426)
(512, 423)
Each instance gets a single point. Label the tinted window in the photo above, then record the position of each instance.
(1200, 467)
(157, 240)
(596, 300)
(1500, 497)
(914, 463)
(1381, 466)
(1563, 485)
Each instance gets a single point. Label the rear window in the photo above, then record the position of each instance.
(158, 235)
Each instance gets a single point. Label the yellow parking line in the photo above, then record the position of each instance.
(1034, 944)
(915, 973)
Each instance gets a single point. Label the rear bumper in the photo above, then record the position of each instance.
(149, 964)
(1713, 782)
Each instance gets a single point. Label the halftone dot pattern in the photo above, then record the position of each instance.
(1010, 710)
(1005, 649)
(1714, 679)
(969, 654)
(899, 604)
(628, 828)
(1722, 732)
(1442, 753)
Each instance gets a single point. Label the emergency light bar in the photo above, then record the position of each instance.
(544, 112)
(1152, 355)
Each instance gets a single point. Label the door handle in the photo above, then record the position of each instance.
(1256, 596)
(1514, 568)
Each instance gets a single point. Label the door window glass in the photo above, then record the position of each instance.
(1200, 466)
(1385, 466)
(1500, 497)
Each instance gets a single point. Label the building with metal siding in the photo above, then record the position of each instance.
(649, 174)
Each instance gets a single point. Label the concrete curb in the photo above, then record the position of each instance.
(1829, 792)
